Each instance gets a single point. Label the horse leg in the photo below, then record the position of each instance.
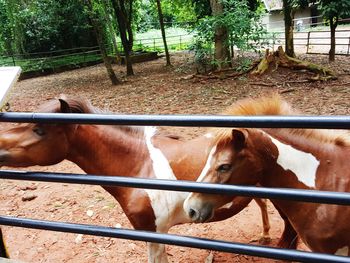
(289, 238)
(231, 209)
(156, 253)
(265, 236)
(3, 250)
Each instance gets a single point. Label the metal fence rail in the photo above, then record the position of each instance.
(186, 241)
(320, 122)
(313, 196)
(316, 122)
(312, 42)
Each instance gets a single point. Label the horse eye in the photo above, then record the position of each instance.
(39, 131)
(224, 168)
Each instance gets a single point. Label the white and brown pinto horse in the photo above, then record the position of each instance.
(286, 158)
(119, 150)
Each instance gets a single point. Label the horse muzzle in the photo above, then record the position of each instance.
(198, 212)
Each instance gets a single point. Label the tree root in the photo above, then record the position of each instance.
(280, 58)
(223, 73)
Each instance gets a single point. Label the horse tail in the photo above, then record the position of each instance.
(3, 250)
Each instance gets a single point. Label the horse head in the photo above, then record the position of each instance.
(232, 160)
(33, 143)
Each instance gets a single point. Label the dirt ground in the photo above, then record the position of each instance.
(154, 89)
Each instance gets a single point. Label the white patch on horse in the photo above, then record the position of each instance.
(303, 165)
(344, 251)
(161, 165)
(164, 203)
(321, 212)
(201, 176)
(227, 206)
(207, 164)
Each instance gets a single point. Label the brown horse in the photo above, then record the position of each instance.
(119, 150)
(286, 158)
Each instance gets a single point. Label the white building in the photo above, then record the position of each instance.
(303, 17)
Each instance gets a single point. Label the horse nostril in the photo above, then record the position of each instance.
(192, 213)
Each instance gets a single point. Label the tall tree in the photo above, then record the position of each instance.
(333, 11)
(97, 25)
(162, 29)
(130, 14)
(289, 9)
(125, 35)
(240, 23)
(222, 52)
(110, 26)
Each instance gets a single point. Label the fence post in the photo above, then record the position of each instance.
(180, 43)
(308, 42)
(13, 60)
(84, 58)
(154, 44)
(348, 46)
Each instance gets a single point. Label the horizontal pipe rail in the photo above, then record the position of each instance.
(314, 196)
(324, 122)
(316, 122)
(170, 239)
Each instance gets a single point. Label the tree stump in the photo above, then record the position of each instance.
(280, 58)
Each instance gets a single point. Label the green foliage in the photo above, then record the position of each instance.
(331, 9)
(242, 64)
(244, 29)
(203, 58)
(5, 30)
(297, 3)
(43, 25)
(175, 12)
(202, 7)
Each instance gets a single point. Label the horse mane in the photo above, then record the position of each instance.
(77, 105)
(275, 105)
(81, 105)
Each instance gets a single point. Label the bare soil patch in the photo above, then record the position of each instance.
(154, 89)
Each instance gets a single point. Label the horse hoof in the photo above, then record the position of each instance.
(265, 240)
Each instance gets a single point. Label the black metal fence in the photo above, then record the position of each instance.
(325, 122)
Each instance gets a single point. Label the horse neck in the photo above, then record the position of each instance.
(186, 158)
(107, 150)
(289, 160)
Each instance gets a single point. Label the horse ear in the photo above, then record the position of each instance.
(239, 139)
(65, 108)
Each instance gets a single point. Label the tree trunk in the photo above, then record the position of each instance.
(333, 25)
(127, 16)
(101, 43)
(123, 34)
(222, 53)
(161, 23)
(111, 29)
(288, 28)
